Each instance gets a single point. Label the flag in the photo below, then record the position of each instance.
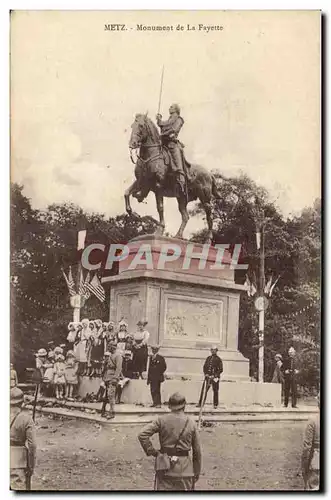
(268, 286)
(273, 286)
(71, 279)
(247, 284)
(96, 288)
(250, 287)
(70, 282)
(86, 291)
(81, 239)
(81, 284)
(253, 289)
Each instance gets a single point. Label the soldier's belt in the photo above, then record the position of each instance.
(175, 453)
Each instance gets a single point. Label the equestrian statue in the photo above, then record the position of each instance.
(161, 167)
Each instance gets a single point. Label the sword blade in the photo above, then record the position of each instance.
(161, 87)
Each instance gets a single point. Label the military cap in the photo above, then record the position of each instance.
(155, 347)
(177, 401)
(16, 396)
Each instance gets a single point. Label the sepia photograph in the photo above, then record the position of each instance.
(165, 250)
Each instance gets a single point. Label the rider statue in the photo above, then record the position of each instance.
(169, 132)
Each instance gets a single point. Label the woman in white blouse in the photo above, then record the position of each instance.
(140, 351)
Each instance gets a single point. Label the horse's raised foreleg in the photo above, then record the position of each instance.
(134, 188)
(182, 205)
(159, 205)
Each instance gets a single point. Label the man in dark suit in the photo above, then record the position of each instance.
(157, 367)
(290, 372)
(212, 370)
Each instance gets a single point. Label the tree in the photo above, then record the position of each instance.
(292, 251)
(43, 242)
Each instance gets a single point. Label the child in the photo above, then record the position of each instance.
(48, 378)
(59, 376)
(71, 376)
(71, 337)
(58, 351)
(13, 376)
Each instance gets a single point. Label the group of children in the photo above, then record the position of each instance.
(59, 373)
(88, 342)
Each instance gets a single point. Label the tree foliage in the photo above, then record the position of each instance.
(292, 252)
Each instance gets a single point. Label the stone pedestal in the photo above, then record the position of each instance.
(190, 304)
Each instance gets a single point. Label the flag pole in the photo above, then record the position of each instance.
(76, 315)
(81, 235)
(261, 312)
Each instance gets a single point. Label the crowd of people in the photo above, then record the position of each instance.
(87, 353)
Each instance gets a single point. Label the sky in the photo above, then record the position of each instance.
(249, 94)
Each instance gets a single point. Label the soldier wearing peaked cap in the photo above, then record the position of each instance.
(175, 468)
(23, 443)
(212, 370)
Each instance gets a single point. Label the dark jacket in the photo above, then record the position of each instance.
(213, 366)
(289, 365)
(157, 367)
(127, 368)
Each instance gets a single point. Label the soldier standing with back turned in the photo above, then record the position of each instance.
(23, 443)
(178, 435)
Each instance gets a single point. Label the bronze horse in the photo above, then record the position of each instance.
(154, 174)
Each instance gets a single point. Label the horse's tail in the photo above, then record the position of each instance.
(214, 189)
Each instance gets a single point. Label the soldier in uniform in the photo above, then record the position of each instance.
(178, 436)
(290, 372)
(310, 459)
(111, 375)
(169, 132)
(157, 367)
(23, 443)
(212, 370)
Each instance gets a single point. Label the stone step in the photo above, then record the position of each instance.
(145, 417)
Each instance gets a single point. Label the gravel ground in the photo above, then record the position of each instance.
(78, 455)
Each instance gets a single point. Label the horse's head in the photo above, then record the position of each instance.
(142, 129)
(139, 132)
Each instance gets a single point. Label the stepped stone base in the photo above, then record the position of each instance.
(231, 393)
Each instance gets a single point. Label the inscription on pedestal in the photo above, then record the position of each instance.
(187, 318)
